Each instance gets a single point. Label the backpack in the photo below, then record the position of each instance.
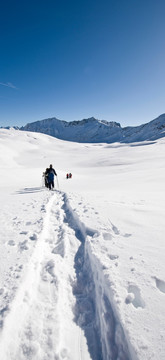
(50, 176)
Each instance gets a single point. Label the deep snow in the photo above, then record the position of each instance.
(82, 270)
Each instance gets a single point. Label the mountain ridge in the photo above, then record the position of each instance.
(95, 131)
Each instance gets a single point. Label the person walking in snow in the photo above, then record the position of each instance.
(51, 173)
(45, 175)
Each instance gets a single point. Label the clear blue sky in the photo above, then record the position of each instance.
(76, 59)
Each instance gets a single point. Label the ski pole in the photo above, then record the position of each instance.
(57, 183)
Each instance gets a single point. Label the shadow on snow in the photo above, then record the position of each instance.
(30, 190)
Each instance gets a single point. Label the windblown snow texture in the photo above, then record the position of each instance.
(64, 304)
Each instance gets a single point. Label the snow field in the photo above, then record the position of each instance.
(81, 268)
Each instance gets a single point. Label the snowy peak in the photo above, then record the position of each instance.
(93, 120)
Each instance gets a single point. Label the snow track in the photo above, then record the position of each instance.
(63, 308)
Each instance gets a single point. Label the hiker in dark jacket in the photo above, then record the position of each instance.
(51, 173)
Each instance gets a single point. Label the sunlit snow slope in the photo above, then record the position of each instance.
(82, 270)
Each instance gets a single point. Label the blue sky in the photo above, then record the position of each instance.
(77, 59)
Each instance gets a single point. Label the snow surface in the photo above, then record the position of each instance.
(82, 270)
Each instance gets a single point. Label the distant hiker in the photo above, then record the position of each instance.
(51, 173)
(69, 176)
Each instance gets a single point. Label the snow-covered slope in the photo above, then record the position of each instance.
(153, 130)
(82, 270)
(94, 131)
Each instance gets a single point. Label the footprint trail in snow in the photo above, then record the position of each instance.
(54, 315)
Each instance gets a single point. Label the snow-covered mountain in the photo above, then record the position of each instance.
(93, 131)
(87, 130)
